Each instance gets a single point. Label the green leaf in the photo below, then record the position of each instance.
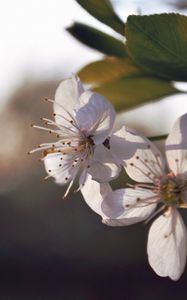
(104, 12)
(127, 93)
(97, 40)
(107, 69)
(158, 43)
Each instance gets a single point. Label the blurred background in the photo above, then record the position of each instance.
(52, 248)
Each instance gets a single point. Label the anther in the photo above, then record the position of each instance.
(131, 164)
(137, 157)
(60, 165)
(49, 171)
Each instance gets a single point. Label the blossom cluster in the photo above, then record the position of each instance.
(88, 148)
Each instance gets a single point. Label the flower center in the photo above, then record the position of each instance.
(171, 190)
(71, 147)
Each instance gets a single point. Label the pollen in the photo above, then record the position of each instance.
(171, 191)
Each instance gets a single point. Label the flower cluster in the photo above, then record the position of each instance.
(87, 147)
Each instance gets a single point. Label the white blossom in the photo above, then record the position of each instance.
(160, 189)
(82, 123)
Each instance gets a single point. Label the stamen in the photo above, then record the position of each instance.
(154, 214)
(141, 171)
(151, 169)
(61, 127)
(69, 114)
(178, 166)
(46, 129)
(68, 189)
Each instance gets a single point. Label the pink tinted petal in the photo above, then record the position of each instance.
(67, 99)
(103, 167)
(128, 206)
(103, 172)
(176, 146)
(96, 116)
(167, 245)
(143, 162)
(94, 193)
(60, 167)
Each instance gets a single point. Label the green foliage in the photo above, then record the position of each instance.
(107, 69)
(124, 84)
(104, 12)
(97, 40)
(142, 70)
(158, 43)
(129, 92)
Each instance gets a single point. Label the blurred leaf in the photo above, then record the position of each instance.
(104, 12)
(158, 43)
(97, 40)
(108, 69)
(127, 93)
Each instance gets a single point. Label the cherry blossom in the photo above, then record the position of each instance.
(160, 189)
(82, 123)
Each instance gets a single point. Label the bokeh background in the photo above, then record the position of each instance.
(52, 248)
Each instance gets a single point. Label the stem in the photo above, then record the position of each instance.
(158, 137)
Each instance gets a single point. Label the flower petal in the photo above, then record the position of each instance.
(176, 146)
(61, 167)
(167, 245)
(95, 116)
(67, 99)
(128, 206)
(94, 193)
(142, 160)
(103, 168)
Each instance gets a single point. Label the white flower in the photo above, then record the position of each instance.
(83, 123)
(156, 187)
